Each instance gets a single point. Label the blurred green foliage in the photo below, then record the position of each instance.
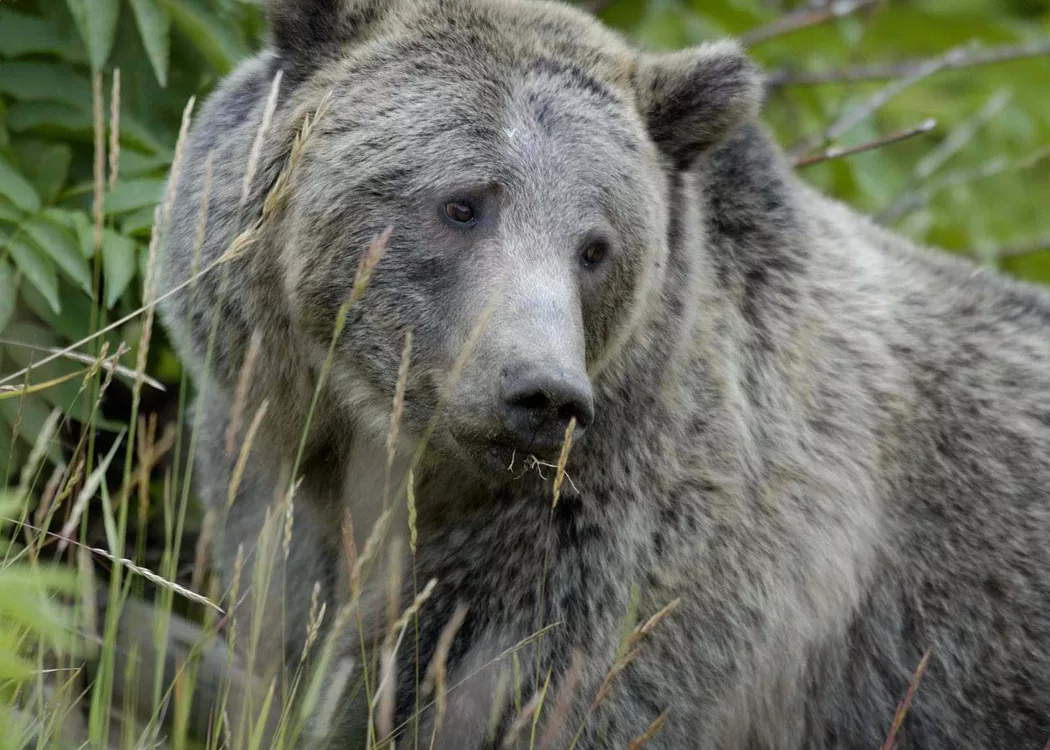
(984, 189)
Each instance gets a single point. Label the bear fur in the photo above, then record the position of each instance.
(828, 445)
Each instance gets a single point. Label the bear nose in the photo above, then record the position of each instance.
(537, 408)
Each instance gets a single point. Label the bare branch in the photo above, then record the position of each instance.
(945, 150)
(888, 70)
(837, 152)
(596, 6)
(805, 17)
(1019, 249)
(866, 109)
(991, 168)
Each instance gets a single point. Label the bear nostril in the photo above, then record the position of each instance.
(537, 401)
(538, 408)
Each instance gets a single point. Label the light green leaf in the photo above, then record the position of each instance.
(118, 265)
(37, 269)
(138, 223)
(59, 245)
(30, 344)
(64, 121)
(207, 34)
(16, 188)
(46, 165)
(34, 415)
(36, 81)
(132, 195)
(97, 22)
(23, 34)
(155, 28)
(9, 214)
(8, 290)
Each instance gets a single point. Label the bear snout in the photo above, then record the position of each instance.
(537, 406)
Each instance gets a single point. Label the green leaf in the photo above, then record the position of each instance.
(34, 81)
(63, 121)
(34, 414)
(46, 165)
(206, 33)
(22, 34)
(30, 344)
(8, 290)
(132, 195)
(138, 223)
(85, 232)
(155, 28)
(118, 265)
(16, 188)
(61, 246)
(37, 269)
(9, 214)
(74, 322)
(97, 22)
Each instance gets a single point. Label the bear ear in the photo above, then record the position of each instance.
(693, 99)
(307, 32)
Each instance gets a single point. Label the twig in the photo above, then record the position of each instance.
(596, 6)
(888, 70)
(940, 154)
(837, 152)
(1019, 249)
(866, 109)
(804, 18)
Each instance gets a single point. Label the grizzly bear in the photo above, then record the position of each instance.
(826, 449)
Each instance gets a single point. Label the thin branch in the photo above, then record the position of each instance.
(889, 70)
(940, 154)
(866, 109)
(806, 17)
(837, 152)
(991, 168)
(1019, 249)
(596, 6)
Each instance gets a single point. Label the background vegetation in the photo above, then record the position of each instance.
(92, 93)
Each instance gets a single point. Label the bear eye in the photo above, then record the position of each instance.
(459, 212)
(594, 253)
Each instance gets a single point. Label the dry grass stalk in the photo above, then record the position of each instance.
(200, 552)
(50, 493)
(105, 363)
(368, 263)
(114, 131)
(202, 221)
(260, 137)
(149, 575)
(370, 549)
(282, 185)
(246, 448)
(437, 671)
(313, 624)
(566, 446)
(902, 709)
(240, 394)
(645, 737)
(529, 714)
(289, 519)
(563, 704)
(36, 455)
(385, 699)
(395, 414)
(410, 492)
(176, 162)
(393, 587)
(350, 550)
(91, 485)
